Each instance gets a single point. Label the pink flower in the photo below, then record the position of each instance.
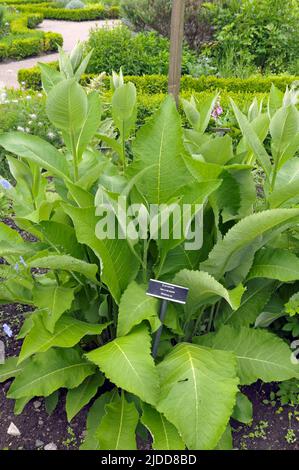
(217, 111)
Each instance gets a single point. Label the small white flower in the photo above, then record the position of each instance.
(27, 129)
(7, 330)
(39, 124)
(21, 129)
(29, 123)
(51, 135)
(28, 97)
(40, 95)
(33, 116)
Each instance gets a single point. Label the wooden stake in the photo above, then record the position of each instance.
(176, 45)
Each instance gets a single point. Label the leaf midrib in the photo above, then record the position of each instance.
(159, 163)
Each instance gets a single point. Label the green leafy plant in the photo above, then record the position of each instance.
(288, 392)
(92, 328)
(139, 54)
(156, 15)
(254, 33)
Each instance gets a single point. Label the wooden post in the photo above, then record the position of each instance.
(176, 45)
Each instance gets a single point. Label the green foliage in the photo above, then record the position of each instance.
(53, 11)
(255, 32)
(91, 322)
(288, 392)
(156, 15)
(154, 84)
(164, 434)
(138, 54)
(23, 42)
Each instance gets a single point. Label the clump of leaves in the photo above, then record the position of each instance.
(288, 392)
(93, 323)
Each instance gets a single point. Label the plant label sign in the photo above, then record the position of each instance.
(166, 291)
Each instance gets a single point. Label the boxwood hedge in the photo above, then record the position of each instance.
(24, 42)
(153, 84)
(52, 10)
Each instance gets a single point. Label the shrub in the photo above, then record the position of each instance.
(33, 20)
(151, 84)
(143, 53)
(22, 42)
(52, 41)
(91, 12)
(21, 48)
(156, 14)
(259, 32)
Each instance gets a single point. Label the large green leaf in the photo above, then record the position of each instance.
(286, 190)
(78, 397)
(237, 193)
(65, 263)
(51, 402)
(178, 259)
(257, 294)
(127, 362)
(252, 139)
(94, 418)
(117, 428)
(50, 76)
(245, 238)
(260, 354)
(284, 126)
(275, 264)
(67, 333)
(260, 125)
(159, 144)
(135, 306)
(191, 377)
(60, 236)
(226, 440)
(67, 105)
(195, 195)
(49, 371)
(90, 124)
(118, 264)
(36, 150)
(218, 150)
(199, 115)
(55, 300)
(10, 369)
(243, 409)
(9, 235)
(165, 435)
(204, 289)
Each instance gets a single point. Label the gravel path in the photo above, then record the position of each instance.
(72, 32)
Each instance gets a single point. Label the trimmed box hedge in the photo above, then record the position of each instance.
(23, 41)
(54, 12)
(153, 84)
